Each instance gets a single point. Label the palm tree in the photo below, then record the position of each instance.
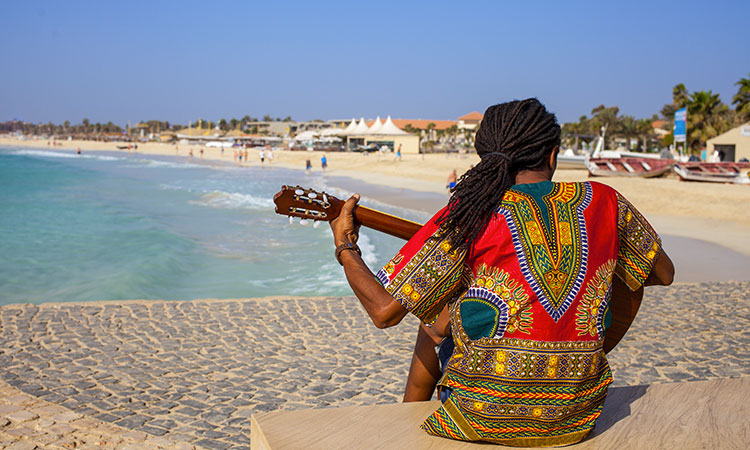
(741, 100)
(646, 131)
(605, 118)
(627, 127)
(707, 117)
(680, 97)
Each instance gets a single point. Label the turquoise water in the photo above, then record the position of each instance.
(110, 226)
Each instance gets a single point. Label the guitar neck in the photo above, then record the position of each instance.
(386, 223)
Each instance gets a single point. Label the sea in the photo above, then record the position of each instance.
(115, 226)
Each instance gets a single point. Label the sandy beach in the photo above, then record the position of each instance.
(715, 213)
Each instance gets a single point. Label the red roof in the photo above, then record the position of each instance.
(474, 116)
(658, 123)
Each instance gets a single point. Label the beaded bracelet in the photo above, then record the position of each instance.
(346, 246)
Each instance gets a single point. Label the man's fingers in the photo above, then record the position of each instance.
(350, 203)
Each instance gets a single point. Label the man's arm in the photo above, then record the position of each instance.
(662, 274)
(384, 310)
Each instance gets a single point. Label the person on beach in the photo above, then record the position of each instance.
(308, 166)
(452, 180)
(262, 156)
(324, 162)
(398, 153)
(515, 276)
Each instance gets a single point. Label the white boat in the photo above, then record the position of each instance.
(569, 160)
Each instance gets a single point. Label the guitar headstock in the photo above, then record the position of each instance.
(306, 203)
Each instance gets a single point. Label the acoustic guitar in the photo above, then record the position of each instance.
(318, 206)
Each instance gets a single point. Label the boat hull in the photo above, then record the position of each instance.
(628, 167)
(721, 172)
(571, 162)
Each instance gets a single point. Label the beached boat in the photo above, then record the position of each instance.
(569, 160)
(718, 172)
(628, 167)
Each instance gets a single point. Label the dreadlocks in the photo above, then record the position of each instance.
(513, 136)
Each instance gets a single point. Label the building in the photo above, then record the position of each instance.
(661, 128)
(284, 128)
(377, 135)
(467, 122)
(199, 135)
(470, 121)
(732, 145)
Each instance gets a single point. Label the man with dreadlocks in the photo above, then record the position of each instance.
(526, 267)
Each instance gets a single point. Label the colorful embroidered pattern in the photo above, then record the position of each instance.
(518, 390)
(428, 280)
(495, 304)
(388, 269)
(528, 367)
(551, 242)
(639, 245)
(593, 305)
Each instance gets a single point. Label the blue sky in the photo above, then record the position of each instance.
(182, 60)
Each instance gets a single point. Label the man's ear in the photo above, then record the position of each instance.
(553, 158)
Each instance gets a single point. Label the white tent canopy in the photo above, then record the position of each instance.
(376, 127)
(361, 127)
(306, 135)
(390, 129)
(333, 131)
(349, 129)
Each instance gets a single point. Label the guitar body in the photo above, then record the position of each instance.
(309, 204)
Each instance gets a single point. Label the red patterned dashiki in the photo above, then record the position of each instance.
(532, 295)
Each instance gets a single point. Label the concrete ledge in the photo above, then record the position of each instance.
(688, 415)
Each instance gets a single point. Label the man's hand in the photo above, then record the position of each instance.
(344, 227)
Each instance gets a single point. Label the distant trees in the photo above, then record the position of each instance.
(679, 100)
(741, 100)
(409, 128)
(707, 117)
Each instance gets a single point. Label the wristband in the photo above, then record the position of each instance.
(346, 246)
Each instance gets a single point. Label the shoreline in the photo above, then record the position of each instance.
(717, 250)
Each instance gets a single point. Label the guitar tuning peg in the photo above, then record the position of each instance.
(291, 220)
(303, 222)
(316, 224)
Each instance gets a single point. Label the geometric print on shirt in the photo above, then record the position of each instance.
(495, 304)
(595, 301)
(639, 245)
(521, 392)
(551, 242)
(428, 280)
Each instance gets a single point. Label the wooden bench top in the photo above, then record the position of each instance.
(711, 414)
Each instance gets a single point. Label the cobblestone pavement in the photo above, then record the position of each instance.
(192, 373)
